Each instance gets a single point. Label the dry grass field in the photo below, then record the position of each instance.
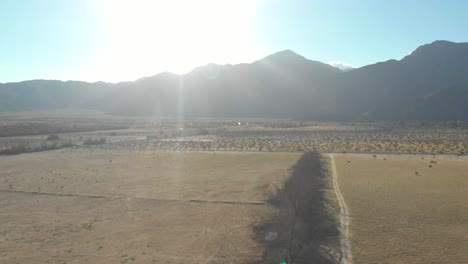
(129, 206)
(406, 209)
(111, 189)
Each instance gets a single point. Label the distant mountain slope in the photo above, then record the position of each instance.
(430, 83)
(281, 85)
(49, 94)
(400, 89)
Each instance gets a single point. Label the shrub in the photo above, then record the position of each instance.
(203, 132)
(95, 141)
(66, 144)
(53, 137)
(28, 148)
(16, 149)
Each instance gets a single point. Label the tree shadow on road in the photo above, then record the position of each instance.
(305, 229)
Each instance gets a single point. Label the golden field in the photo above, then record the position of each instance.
(129, 206)
(406, 208)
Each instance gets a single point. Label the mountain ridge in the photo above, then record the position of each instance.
(282, 85)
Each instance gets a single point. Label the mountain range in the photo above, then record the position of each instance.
(431, 83)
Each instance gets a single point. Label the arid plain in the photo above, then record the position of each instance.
(406, 208)
(108, 206)
(75, 189)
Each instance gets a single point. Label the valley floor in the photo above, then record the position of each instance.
(116, 206)
(406, 209)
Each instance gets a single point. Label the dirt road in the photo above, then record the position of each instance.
(347, 257)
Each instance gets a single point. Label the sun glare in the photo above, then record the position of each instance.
(142, 35)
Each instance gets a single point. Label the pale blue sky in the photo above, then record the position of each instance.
(118, 40)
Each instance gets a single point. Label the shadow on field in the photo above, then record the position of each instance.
(305, 229)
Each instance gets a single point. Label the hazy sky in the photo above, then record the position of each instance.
(114, 40)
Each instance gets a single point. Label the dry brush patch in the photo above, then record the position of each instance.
(393, 140)
(18, 148)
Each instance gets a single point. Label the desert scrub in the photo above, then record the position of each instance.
(29, 147)
(95, 141)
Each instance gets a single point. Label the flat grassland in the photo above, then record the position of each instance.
(136, 206)
(406, 209)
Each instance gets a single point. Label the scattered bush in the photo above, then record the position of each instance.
(23, 129)
(53, 137)
(28, 148)
(203, 132)
(95, 141)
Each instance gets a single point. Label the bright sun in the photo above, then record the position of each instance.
(144, 36)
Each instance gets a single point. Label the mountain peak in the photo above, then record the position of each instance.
(436, 46)
(283, 55)
(441, 42)
(287, 52)
(160, 75)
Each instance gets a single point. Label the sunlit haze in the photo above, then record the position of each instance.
(117, 40)
(175, 36)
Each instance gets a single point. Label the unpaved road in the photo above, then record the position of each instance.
(345, 244)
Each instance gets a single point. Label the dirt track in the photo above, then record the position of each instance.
(347, 257)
